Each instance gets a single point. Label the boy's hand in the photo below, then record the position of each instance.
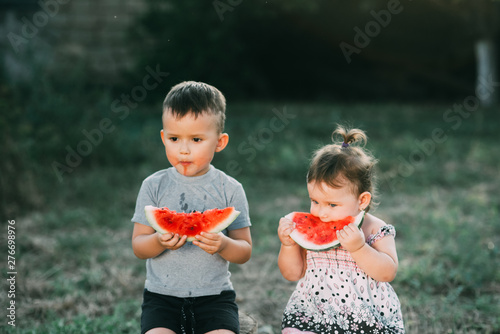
(286, 227)
(171, 241)
(351, 238)
(210, 242)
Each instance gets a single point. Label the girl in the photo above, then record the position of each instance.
(346, 289)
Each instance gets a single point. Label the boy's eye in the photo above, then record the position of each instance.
(173, 138)
(196, 140)
(333, 205)
(314, 202)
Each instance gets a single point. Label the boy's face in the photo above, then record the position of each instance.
(330, 204)
(190, 143)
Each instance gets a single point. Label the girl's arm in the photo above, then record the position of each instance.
(291, 259)
(236, 247)
(379, 261)
(148, 243)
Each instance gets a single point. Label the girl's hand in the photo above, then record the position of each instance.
(210, 242)
(286, 227)
(171, 241)
(351, 238)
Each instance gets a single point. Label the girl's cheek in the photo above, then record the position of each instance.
(313, 210)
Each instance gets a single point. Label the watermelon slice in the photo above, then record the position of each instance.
(313, 234)
(191, 224)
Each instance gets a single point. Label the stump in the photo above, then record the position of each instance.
(248, 325)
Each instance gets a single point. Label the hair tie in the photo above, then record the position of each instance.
(344, 145)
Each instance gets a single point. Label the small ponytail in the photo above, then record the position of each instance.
(349, 137)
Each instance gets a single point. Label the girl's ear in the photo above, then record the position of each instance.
(222, 143)
(364, 200)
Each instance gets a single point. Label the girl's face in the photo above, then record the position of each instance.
(329, 204)
(190, 143)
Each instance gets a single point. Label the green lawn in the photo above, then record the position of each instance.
(439, 178)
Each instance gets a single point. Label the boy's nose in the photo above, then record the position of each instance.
(184, 149)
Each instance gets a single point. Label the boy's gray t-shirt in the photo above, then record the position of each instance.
(190, 271)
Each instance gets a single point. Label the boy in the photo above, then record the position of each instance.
(187, 288)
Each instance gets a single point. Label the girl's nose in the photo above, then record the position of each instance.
(323, 214)
(318, 211)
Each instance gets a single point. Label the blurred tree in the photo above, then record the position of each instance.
(290, 49)
(482, 17)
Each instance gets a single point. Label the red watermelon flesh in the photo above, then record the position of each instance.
(191, 224)
(312, 233)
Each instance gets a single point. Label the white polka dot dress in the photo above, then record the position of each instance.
(336, 296)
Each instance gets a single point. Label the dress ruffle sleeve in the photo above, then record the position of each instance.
(382, 232)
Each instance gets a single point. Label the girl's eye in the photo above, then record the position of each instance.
(333, 205)
(314, 202)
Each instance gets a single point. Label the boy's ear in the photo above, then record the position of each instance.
(222, 143)
(162, 136)
(364, 200)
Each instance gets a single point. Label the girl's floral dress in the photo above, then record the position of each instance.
(336, 296)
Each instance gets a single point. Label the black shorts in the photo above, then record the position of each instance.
(191, 315)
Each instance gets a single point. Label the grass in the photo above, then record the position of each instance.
(77, 272)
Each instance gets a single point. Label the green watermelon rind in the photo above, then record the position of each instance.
(149, 209)
(302, 242)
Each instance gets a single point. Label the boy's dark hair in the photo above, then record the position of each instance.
(335, 164)
(197, 98)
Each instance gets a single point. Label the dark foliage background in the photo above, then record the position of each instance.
(273, 49)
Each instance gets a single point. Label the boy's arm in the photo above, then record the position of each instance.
(148, 243)
(236, 247)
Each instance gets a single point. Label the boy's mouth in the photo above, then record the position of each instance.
(185, 165)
